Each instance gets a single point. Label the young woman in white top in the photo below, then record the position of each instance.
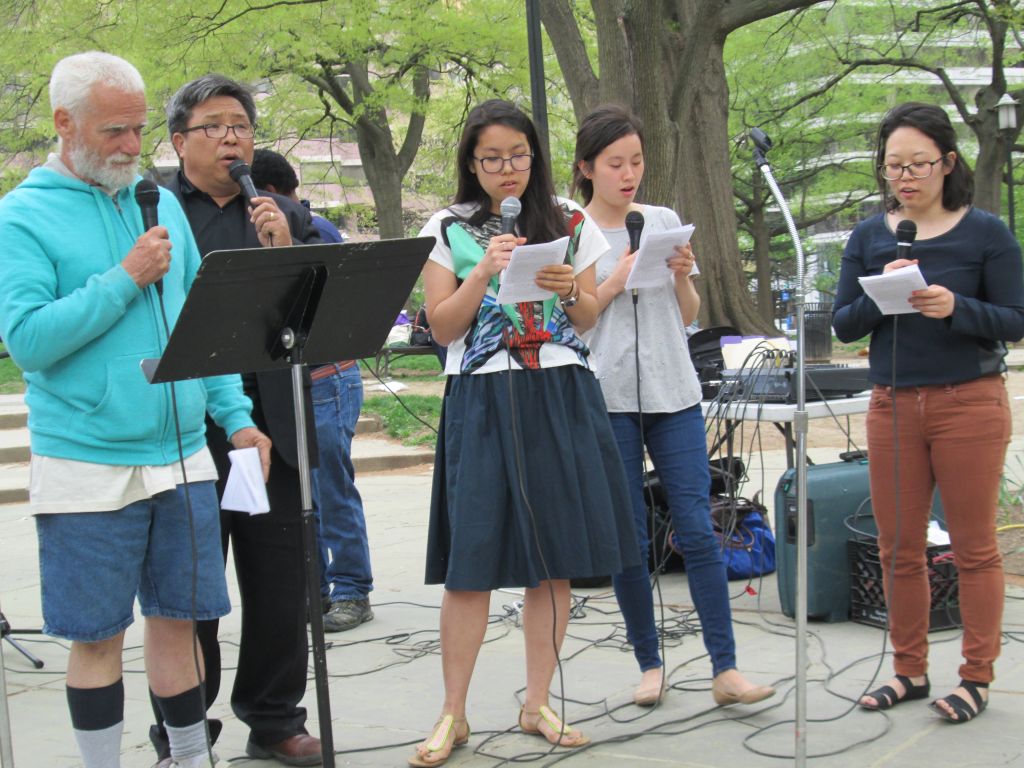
(667, 420)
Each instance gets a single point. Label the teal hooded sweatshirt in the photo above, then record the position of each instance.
(78, 326)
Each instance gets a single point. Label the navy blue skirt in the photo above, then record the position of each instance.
(528, 483)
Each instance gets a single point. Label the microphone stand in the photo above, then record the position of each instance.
(761, 146)
(6, 750)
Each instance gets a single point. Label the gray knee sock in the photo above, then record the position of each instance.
(185, 720)
(97, 715)
(188, 744)
(100, 749)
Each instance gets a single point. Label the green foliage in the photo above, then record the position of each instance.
(10, 376)
(399, 423)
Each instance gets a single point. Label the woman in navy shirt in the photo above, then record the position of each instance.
(939, 412)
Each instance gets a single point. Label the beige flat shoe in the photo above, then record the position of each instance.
(751, 695)
(649, 695)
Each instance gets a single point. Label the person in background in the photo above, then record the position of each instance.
(272, 171)
(346, 577)
(939, 413)
(80, 308)
(667, 419)
(528, 485)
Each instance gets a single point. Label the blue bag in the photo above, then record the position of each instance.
(748, 544)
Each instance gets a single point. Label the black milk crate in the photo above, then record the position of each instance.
(867, 600)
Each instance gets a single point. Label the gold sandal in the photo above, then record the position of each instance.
(563, 736)
(442, 741)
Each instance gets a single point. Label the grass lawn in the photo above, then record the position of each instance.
(10, 376)
(414, 423)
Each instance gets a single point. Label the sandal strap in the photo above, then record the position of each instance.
(553, 720)
(972, 688)
(443, 729)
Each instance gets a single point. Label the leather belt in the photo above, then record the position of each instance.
(330, 369)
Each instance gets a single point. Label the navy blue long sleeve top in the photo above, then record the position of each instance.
(978, 260)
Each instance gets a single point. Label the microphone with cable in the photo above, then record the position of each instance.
(510, 210)
(241, 173)
(906, 233)
(147, 197)
(634, 226)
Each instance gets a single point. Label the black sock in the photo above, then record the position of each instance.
(93, 709)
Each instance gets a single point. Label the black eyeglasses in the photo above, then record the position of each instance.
(220, 130)
(496, 164)
(919, 170)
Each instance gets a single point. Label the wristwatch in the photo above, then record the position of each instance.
(574, 296)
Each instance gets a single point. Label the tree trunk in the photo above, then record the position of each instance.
(706, 199)
(380, 163)
(665, 60)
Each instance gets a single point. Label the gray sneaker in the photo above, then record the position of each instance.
(347, 614)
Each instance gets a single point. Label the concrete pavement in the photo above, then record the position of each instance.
(385, 676)
(385, 682)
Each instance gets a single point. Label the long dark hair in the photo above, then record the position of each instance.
(540, 221)
(605, 125)
(933, 122)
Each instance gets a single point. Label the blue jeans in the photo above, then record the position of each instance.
(676, 443)
(344, 550)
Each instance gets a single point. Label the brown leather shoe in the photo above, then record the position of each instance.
(300, 749)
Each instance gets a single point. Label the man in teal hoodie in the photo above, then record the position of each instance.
(79, 310)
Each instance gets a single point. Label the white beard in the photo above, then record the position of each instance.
(113, 173)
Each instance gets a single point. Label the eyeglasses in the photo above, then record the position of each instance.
(920, 170)
(497, 164)
(219, 130)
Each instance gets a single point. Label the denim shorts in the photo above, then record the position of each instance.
(93, 564)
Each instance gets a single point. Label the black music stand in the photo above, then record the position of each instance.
(267, 308)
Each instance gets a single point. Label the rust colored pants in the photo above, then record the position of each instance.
(954, 436)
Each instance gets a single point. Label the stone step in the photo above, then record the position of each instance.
(14, 483)
(371, 452)
(14, 445)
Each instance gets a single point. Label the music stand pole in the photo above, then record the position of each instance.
(761, 145)
(263, 309)
(294, 343)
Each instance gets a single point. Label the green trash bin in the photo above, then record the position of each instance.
(818, 332)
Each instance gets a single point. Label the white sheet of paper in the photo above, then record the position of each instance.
(891, 290)
(650, 268)
(517, 279)
(245, 490)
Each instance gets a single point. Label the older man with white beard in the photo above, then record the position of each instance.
(114, 514)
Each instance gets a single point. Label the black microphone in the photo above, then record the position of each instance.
(510, 209)
(242, 175)
(147, 196)
(906, 232)
(634, 226)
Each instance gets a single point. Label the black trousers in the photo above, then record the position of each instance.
(270, 679)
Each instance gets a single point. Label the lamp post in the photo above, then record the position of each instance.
(1006, 111)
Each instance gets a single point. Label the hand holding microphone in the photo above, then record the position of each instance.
(271, 225)
(500, 247)
(150, 258)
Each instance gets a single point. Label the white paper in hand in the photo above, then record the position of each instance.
(245, 490)
(891, 290)
(651, 268)
(517, 279)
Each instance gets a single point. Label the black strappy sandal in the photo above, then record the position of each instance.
(887, 698)
(961, 707)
